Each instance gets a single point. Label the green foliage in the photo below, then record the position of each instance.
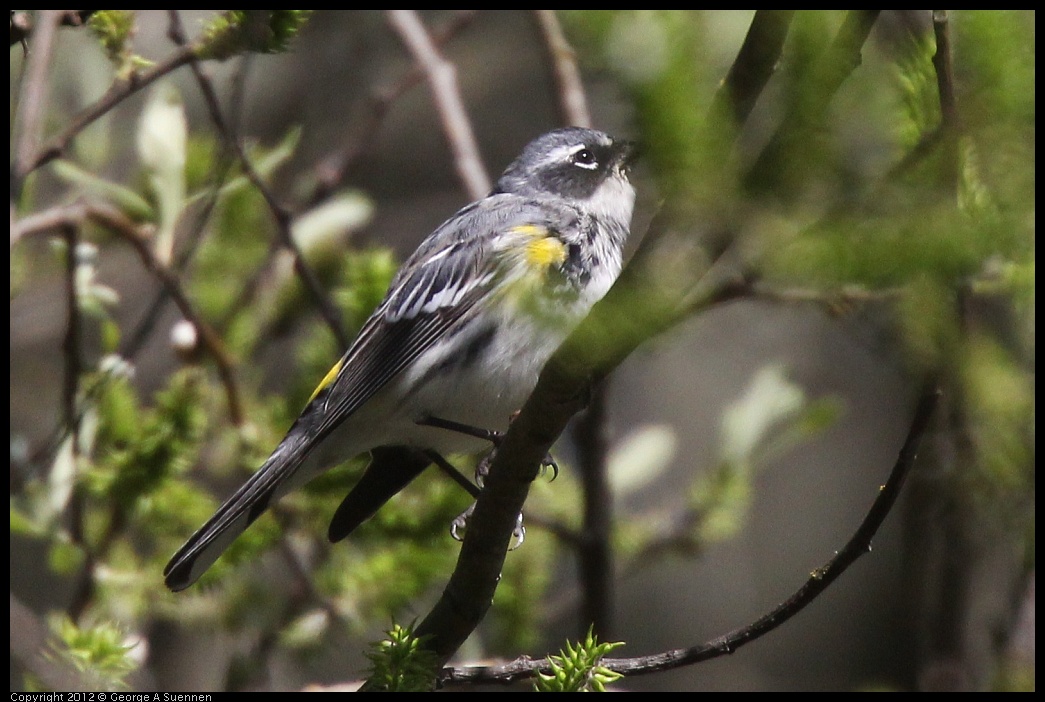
(114, 30)
(658, 56)
(1000, 398)
(772, 417)
(400, 663)
(100, 652)
(138, 449)
(578, 668)
(257, 31)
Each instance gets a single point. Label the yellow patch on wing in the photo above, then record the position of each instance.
(543, 249)
(327, 380)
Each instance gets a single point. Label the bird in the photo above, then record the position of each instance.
(467, 324)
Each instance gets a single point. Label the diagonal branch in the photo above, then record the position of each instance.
(119, 224)
(573, 103)
(334, 169)
(442, 76)
(279, 213)
(817, 89)
(755, 63)
(119, 91)
(633, 311)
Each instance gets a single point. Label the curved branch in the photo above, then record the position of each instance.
(118, 223)
(819, 580)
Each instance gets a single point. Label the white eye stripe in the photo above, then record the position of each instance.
(566, 153)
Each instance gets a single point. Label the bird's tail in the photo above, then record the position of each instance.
(276, 477)
(391, 469)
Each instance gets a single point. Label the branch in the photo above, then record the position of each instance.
(949, 126)
(442, 76)
(282, 216)
(594, 550)
(22, 23)
(638, 307)
(573, 104)
(27, 122)
(334, 169)
(119, 91)
(842, 57)
(819, 580)
(118, 223)
(754, 65)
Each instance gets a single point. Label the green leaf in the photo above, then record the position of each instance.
(400, 663)
(259, 31)
(128, 201)
(101, 651)
(162, 137)
(641, 457)
(578, 668)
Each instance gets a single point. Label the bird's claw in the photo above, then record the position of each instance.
(547, 463)
(518, 533)
(460, 523)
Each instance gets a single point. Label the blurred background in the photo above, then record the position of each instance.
(826, 384)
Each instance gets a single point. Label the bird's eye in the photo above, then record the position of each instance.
(585, 158)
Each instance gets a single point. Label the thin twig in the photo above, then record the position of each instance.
(136, 339)
(949, 126)
(573, 103)
(281, 215)
(120, 224)
(442, 77)
(119, 91)
(335, 168)
(71, 343)
(819, 580)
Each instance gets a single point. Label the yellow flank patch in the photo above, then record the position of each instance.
(546, 251)
(327, 380)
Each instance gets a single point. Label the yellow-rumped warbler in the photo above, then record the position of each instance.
(466, 326)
